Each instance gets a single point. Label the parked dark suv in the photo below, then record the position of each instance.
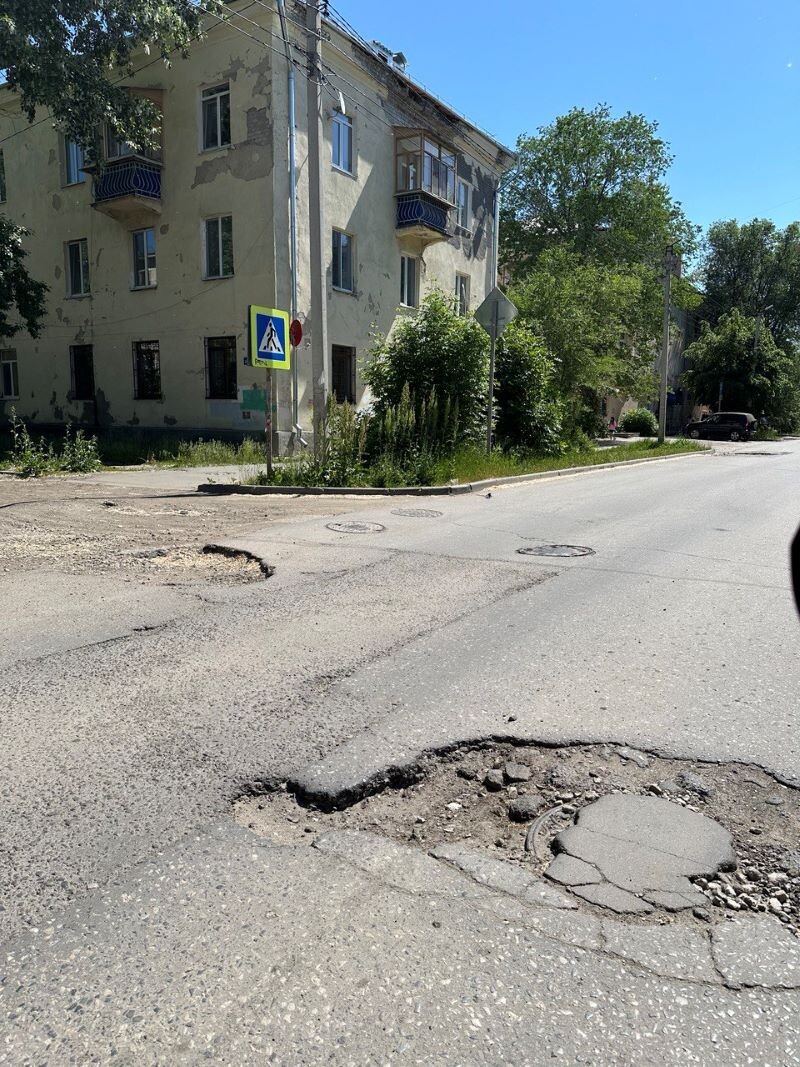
(728, 425)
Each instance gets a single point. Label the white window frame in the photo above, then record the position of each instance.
(409, 299)
(8, 358)
(462, 293)
(338, 255)
(85, 277)
(342, 131)
(148, 273)
(74, 160)
(219, 219)
(462, 206)
(218, 92)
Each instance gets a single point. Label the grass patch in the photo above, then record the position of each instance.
(471, 464)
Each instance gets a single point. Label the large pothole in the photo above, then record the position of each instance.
(514, 802)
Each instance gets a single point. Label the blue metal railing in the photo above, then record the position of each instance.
(131, 177)
(418, 209)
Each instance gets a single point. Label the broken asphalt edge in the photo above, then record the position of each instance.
(242, 553)
(343, 790)
(222, 489)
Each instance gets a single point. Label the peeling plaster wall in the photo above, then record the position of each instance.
(250, 181)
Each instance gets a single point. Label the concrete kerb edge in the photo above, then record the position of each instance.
(427, 490)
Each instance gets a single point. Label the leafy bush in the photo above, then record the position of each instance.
(529, 415)
(436, 353)
(32, 458)
(641, 421)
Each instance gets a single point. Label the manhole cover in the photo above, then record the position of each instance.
(555, 550)
(417, 513)
(355, 527)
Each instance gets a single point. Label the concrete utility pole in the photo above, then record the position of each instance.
(670, 264)
(297, 433)
(318, 312)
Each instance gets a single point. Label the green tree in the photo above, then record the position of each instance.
(757, 375)
(754, 267)
(528, 412)
(22, 298)
(437, 354)
(69, 56)
(598, 323)
(594, 185)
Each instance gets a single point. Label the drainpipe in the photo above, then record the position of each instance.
(496, 234)
(297, 432)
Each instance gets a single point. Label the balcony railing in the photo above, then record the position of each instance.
(421, 211)
(128, 184)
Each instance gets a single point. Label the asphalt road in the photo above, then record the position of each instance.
(137, 918)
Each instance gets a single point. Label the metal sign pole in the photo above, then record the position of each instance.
(268, 419)
(490, 404)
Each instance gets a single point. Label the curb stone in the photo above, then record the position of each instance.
(221, 489)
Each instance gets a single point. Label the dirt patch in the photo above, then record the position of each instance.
(513, 801)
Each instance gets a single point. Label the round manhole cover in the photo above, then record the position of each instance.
(417, 513)
(355, 527)
(555, 550)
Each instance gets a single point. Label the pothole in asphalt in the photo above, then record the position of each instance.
(354, 527)
(556, 550)
(538, 808)
(417, 513)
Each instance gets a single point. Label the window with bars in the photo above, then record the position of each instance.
(221, 368)
(343, 374)
(216, 108)
(144, 259)
(342, 142)
(146, 370)
(342, 265)
(9, 376)
(73, 162)
(81, 366)
(78, 267)
(408, 281)
(219, 247)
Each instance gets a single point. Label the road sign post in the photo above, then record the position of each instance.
(494, 314)
(270, 348)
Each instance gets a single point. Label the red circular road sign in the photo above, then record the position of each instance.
(295, 332)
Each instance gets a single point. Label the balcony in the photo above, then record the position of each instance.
(128, 188)
(422, 219)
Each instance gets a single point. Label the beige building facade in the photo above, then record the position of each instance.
(153, 262)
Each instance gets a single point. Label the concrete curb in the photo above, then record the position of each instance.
(221, 489)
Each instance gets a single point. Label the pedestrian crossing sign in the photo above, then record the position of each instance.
(269, 338)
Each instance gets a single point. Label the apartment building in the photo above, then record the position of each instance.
(154, 260)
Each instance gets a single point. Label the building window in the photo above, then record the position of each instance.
(425, 164)
(2, 177)
(342, 270)
(216, 103)
(219, 247)
(73, 162)
(408, 281)
(115, 148)
(462, 293)
(342, 142)
(78, 267)
(220, 368)
(343, 374)
(81, 366)
(144, 259)
(146, 370)
(462, 206)
(9, 380)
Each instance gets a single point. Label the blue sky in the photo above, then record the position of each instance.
(721, 77)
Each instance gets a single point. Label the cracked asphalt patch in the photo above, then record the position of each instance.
(473, 796)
